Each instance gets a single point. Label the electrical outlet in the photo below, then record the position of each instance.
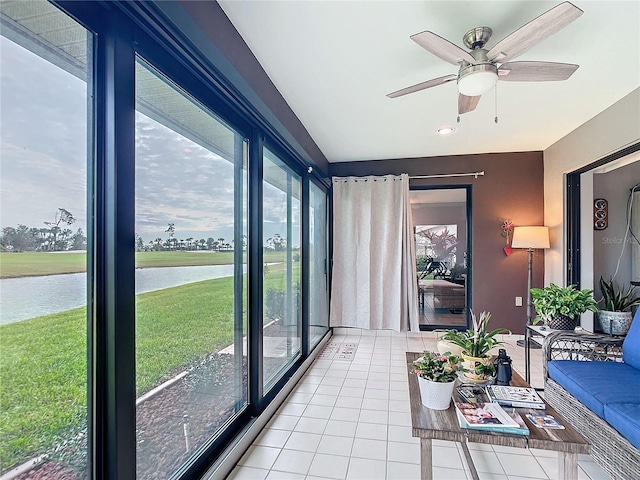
(518, 301)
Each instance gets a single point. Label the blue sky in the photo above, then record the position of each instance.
(43, 152)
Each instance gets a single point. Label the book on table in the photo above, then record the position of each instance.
(487, 416)
(545, 421)
(522, 397)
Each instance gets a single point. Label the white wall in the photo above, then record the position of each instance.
(608, 132)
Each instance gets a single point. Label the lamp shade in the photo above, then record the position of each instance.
(530, 237)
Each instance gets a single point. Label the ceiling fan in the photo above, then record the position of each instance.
(480, 69)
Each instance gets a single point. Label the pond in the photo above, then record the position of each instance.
(29, 297)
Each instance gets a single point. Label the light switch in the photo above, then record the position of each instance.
(518, 301)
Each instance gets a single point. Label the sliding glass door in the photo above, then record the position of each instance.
(282, 318)
(191, 217)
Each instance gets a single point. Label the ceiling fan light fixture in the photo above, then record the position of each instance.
(475, 80)
(445, 130)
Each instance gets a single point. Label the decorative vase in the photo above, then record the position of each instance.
(562, 322)
(615, 323)
(445, 346)
(435, 395)
(470, 363)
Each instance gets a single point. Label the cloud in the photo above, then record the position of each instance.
(43, 161)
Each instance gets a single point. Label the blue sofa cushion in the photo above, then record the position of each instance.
(596, 384)
(625, 418)
(631, 345)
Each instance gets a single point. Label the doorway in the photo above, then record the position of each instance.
(441, 225)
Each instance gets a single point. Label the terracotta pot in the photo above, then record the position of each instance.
(435, 395)
(470, 364)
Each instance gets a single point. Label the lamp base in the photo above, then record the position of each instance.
(533, 346)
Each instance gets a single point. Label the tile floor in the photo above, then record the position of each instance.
(349, 419)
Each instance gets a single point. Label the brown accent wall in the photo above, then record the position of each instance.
(513, 188)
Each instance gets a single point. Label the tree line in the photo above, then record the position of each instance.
(55, 236)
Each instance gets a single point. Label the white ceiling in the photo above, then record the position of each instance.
(335, 61)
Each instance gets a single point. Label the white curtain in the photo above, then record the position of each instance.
(374, 281)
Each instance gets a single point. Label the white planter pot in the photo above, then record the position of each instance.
(615, 323)
(435, 395)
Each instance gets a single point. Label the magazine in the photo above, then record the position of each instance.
(544, 421)
(488, 415)
(521, 429)
(524, 397)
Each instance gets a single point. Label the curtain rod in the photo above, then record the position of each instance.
(474, 174)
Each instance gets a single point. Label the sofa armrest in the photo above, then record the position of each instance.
(582, 346)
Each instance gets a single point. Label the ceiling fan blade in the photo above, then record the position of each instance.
(423, 86)
(441, 48)
(467, 104)
(534, 32)
(535, 71)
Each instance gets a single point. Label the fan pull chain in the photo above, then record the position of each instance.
(496, 105)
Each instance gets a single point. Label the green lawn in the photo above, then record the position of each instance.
(43, 361)
(27, 264)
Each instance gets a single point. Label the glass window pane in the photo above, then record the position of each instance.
(43, 198)
(318, 266)
(191, 210)
(281, 230)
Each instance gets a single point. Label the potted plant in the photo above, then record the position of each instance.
(437, 374)
(615, 315)
(560, 307)
(476, 345)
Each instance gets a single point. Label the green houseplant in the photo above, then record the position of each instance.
(560, 307)
(437, 374)
(615, 316)
(476, 343)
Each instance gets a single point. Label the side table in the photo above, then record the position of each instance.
(533, 334)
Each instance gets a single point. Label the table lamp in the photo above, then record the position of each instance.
(530, 238)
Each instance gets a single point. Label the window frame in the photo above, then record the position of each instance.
(123, 30)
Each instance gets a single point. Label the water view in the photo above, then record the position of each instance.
(28, 297)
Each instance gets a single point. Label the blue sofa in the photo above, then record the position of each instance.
(593, 381)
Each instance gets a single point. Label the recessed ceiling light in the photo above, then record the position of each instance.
(445, 130)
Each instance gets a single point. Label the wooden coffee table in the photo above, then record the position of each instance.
(428, 424)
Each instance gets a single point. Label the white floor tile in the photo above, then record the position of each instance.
(351, 420)
(293, 461)
(340, 428)
(306, 442)
(311, 425)
(446, 473)
(326, 400)
(346, 414)
(402, 471)
(374, 416)
(403, 452)
(372, 431)
(328, 390)
(400, 433)
(368, 448)
(317, 411)
(363, 468)
(259, 457)
(248, 473)
(329, 466)
(521, 465)
(334, 445)
(273, 438)
(275, 475)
